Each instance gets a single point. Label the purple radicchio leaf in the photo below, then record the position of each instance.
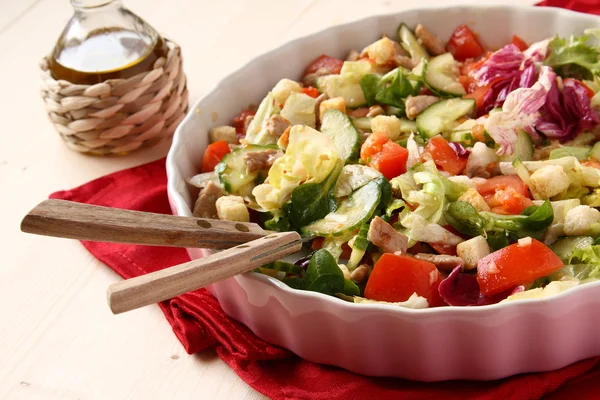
(460, 289)
(304, 261)
(459, 149)
(568, 112)
(538, 51)
(506, 70)
(503, 64)
(520, 111)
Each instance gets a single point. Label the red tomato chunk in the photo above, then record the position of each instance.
(332, 65)
(396, 277)
(464, 44)
(515, 265)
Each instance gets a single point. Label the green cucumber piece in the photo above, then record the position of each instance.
(442, 115)
(580, 153)
(233, 174)
(352, 212)
(361, 242)
(409, 42)
(362, 123)
(359, 247)
(463, 137)
(441, 76)
(344, 135)
(523, 149)
(521, 170)
(595, 153)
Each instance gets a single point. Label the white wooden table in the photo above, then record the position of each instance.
(58, 339)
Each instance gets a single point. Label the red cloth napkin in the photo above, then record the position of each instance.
(199, 322)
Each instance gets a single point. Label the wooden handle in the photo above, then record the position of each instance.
(72, 220)
(170, 282)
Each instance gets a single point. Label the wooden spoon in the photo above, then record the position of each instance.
(67, 219)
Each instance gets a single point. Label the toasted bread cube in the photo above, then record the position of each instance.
(473, 197)
(225, 132)
(390, 125)
(336, 103)
(232, 208)
(284, 88)
(472, 251)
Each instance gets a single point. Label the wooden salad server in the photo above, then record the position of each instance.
(171, 282)
(247, 246)
(67, 219)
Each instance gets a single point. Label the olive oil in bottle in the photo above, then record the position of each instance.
(103, 40)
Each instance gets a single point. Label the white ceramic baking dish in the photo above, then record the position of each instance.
(433, 344)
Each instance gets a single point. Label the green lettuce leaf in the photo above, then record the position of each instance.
(574, 57)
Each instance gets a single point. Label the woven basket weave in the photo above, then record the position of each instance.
(118, 116)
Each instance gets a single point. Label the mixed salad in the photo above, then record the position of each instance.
(427, 173)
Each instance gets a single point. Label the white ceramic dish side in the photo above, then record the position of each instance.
(434, 344)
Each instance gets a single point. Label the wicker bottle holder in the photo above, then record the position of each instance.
(118, 116)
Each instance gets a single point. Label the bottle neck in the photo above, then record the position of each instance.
(89, 5)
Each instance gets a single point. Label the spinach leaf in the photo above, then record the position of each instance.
(313, 201)
(351, 288)
(463, 217)
(370, 86)
(497, 240)
(323, 274)
(533, 222)
(394, 89)
(391, 89)
(538, 218)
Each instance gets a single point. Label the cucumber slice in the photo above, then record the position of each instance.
(361, 242)
(521, 170)
(442, 115)
(523, 149)
(352, 212)
(410, 43)
(233, 174)
(441, 76)
(344, 135)
(359, 247)
(343, 86)
(580, 153)
(463, 137)
(362, 123)
(407, 126)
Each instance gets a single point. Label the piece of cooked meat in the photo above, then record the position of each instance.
(261, 160)
(442, 261)
(276, 125)
(353, 55)
(415, 105)
(384, 236)
(311, 79)
(321, 98)
(432, 43)
(205, 206)
(404, 61)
